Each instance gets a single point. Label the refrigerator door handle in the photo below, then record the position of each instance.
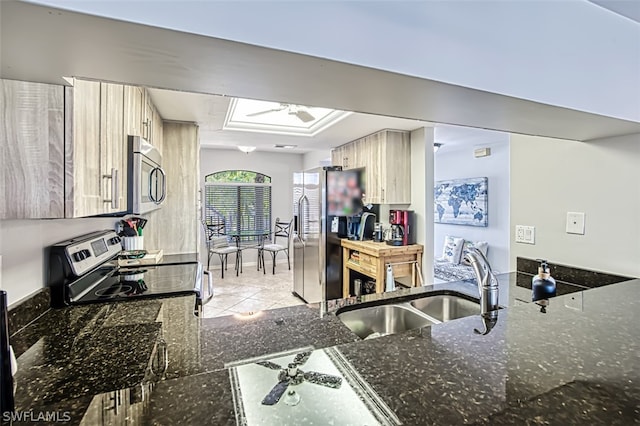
(301, 218)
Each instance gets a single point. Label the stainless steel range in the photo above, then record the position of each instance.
(85, 270)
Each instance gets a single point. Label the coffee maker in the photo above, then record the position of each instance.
(402, 227)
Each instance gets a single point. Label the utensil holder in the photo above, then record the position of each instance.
(133, 243)
(357, 287)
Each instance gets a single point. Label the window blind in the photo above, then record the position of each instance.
(238, 207)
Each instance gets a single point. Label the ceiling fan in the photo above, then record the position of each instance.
(292, 375)
(297, 110)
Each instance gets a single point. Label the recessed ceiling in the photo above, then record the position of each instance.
(249, 115)
(209, 111)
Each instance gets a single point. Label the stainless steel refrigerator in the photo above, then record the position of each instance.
(320, 195)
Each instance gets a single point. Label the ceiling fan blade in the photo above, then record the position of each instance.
(305, 116)
(269, 364)
(254, 114)
(301, 358)
(323, 379)
(275, 393)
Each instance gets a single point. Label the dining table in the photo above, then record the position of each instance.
(260, 235)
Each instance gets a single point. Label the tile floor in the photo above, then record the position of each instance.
(251, 290)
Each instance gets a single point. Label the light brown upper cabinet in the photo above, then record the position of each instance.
(156, 129)
(386, 159)
(32, 150)
(141, 117)
(65, 150)
(113, 146)
(345, 156)
(95, 149)
(134, 110)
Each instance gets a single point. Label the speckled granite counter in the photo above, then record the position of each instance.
(153, 362)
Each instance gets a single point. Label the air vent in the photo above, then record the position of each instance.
(285, 146)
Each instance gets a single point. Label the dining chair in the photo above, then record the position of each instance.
(281, 230)
(219, 244)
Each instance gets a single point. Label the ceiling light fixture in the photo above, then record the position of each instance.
(246, 149)
(436, 147)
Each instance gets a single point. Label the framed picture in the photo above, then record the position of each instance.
(461, 201)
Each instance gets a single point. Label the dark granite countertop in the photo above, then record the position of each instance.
(153, 362)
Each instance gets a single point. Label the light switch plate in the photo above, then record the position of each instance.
(575, 223)
(525, 234)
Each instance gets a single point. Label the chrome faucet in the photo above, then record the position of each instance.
(487, 287)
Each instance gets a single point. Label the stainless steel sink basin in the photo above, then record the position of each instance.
(446, 307)
(375, 321)
(381, 320)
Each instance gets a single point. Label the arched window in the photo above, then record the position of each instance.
(238, 201)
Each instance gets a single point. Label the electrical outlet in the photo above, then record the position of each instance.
(575, 223)
(525, 234)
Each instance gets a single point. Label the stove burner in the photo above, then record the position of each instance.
(116, 290)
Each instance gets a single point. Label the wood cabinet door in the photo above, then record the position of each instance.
(348, 156)
(113, 148)
(396, 169)
(156, 126)
(147, 121)
(32, 150)
(133, 110)
(371, 147)
(336, 156)
(83, 181)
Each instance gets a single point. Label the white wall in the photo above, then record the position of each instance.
(280, 166)
(567, 53)
(315, 159)
(550, 177)
(460, 163)
(23, 243)
(422, 194)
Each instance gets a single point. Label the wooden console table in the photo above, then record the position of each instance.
(373, 258)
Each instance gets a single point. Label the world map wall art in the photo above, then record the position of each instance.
(461, 202)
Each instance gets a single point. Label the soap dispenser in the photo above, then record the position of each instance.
(543, 284)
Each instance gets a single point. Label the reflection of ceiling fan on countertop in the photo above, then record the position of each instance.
(297, 110)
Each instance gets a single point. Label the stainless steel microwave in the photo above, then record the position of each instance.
(147, 180)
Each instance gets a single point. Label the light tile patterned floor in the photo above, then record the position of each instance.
(251, 290)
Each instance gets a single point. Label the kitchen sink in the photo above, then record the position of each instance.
(381, 320)
(374, 321)
(446, 307)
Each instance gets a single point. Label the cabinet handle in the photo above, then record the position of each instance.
(383, 195)
(147, 124)
(115, 189)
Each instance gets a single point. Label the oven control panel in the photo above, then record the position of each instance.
(90, 251)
